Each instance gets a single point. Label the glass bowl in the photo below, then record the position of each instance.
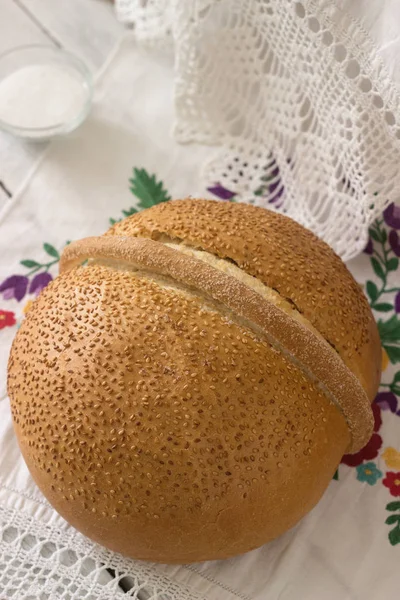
(44, 92)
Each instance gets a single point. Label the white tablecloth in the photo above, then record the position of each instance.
(340, 550)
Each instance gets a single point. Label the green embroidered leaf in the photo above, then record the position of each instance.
(376, 265)
(393, 353)
(383, 307)
(51, 251)
(372, 290)
(383, 236)
(375, 235)
(393, 505)
(394, 536)
(336, 475)
(396, 378)
(389, 331)
(129, 212)
(392, 264)
(147, 189)
(29, 263)
(392, 519)
(395, 388)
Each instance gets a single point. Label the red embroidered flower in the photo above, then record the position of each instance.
(376, 411)
(392, 481)
(7, 318)
(371, 450)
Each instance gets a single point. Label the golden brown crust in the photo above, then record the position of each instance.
(311, 353)
(159, 427)
(284, 256)
(172, 409)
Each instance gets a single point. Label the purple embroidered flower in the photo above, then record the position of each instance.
(397, 302)
(394, 242)
(271, 186)
(387, 401)
(221, 192)
(39, 282)
(14, 287)
(392, 216)
(276, 190)
(369, 248)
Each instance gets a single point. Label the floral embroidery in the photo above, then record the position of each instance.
(271, 186)
(394, 242)
(389, 332)
(386, 401)
(27, 307)
(392, 481)
(7, 319)
(147, 189)
(371, 450)
(391, 216)
(36, 266)
(14, 287)
(383, 250)
(17, 286)
(397, 302)
(369, 248)
(39, 282)
(221, 192)
(368, 473)
(383, 263)
(394, 519)
(391, 458)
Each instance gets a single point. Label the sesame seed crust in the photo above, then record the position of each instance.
(313, 354)
(164, 407)
(284, 256)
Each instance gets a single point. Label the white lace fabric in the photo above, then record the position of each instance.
(40, 562)
(298, 98)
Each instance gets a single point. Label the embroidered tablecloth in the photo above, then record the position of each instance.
(124, 159)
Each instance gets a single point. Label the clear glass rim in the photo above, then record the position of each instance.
(64, 126)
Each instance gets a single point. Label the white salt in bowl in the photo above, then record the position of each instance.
(44, 92)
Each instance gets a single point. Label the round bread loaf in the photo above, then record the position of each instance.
(186, 387)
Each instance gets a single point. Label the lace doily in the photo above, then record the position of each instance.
(298, 99)
(40, 562)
